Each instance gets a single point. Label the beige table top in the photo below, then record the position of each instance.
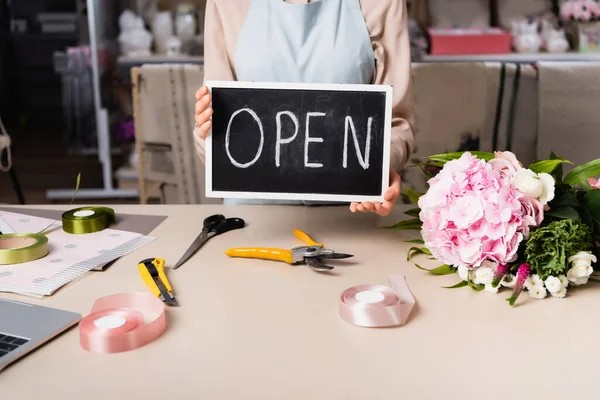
(253, 329)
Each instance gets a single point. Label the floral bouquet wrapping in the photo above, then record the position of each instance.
(498, 224)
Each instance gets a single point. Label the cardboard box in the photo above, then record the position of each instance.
(469, 41)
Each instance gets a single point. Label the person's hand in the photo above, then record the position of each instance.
(390, 196)
(203, 112)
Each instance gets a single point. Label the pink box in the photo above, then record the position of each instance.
(469, 41)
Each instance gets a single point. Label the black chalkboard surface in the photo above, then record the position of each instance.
(325, 142)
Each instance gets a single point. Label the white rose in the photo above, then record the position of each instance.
(561, 293)
(463, 272)
(538, 293)
(581, 269)
(536, 186)
(484, 276)
(553, 284)
(583, 256)
(547, 188)
(528, 182)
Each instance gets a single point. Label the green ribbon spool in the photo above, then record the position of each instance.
(17, 248)
(88, 219)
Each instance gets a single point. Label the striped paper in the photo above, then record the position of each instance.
(70, 256)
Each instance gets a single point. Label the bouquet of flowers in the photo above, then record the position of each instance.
(500, 225)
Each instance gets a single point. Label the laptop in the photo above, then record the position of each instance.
(25, 327)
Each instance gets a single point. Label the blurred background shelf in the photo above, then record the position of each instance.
(514, 57)
(124, 61)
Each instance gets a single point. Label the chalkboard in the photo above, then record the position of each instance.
(324, 142)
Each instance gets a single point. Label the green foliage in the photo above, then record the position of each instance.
(563, 212)
(411, 224)
(441, 270)
(458, 285)
(549, 247)
(413, 212)
(547, 166)
(580, 174)
(444, 158)
(413, 251)
(590, 212)
(412, 195)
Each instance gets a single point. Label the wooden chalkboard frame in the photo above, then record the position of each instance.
(385, 89)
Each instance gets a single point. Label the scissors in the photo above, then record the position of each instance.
(213, 226)
(310, 255)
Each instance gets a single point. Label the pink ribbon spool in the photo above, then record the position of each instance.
(115, 323)
(376, 306)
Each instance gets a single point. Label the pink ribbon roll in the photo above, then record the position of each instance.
(116, 323)
(376, 306)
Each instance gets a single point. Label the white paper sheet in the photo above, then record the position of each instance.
(70, 256)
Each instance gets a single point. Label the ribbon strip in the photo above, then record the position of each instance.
(88, 219)
(16, 248)
(116, 323)
(376, 306)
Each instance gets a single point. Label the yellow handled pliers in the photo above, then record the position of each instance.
(310, 255)
(152, 271)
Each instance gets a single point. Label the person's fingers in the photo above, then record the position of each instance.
(386, 208)
(360, 207)
(203, 117)
(392, 193)
(377, 207)
(202, 104)
(203, 129)
(201, 92)
(353, 207)
(368, 206)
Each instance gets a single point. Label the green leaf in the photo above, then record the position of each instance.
(547, 166)
(591, 204)
(477, 287)
(416, 241)
(564, 196)
(427, 174)
(458, 285)
(564, 212)
(580, 174)
(413, 251)
(456, 155)
(438, 164)
(441, 270)
(413, 212)
(411, 224)
(412, 195)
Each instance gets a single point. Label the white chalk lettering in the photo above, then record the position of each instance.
(309, 139)
(262, 138)
(281, 141)
(364, 161)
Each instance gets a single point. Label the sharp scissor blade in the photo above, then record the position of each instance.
(336, 256)
(316, 265)
(200, 240)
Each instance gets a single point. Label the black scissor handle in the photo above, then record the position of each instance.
(229, 224)
(210, 223)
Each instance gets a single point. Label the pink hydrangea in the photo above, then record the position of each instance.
(472, 212)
